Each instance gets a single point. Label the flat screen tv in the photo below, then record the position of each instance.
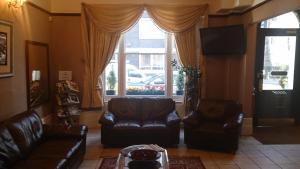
(227, 40)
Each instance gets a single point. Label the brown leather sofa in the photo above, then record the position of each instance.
(215, 125)
(25, 143)
(131, 121)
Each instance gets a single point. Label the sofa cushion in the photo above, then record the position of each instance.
(27, 131)
(153, 125)
(125, 108)
(210, 127)
(56, 148)
(42, 164)
(128, 124)
(157, 108)
(212, 110)
(9, 151)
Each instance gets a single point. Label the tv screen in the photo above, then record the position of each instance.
(228, 40)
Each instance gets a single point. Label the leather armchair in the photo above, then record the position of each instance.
(215, 125)
(131, 121)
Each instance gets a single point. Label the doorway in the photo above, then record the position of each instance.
(276, 80)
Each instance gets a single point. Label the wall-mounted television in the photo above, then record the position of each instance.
(227, 40)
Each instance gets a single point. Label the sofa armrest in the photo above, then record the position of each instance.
(234, 122)
(58, 131)
(192, 119)
(173, 118)
(107, 118)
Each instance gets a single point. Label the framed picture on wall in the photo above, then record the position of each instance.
(6, 49)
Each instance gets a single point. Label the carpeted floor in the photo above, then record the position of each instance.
(174, 163)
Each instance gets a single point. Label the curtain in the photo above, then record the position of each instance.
(102, 26)
(182, 21)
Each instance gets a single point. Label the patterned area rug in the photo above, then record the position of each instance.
(174, 163)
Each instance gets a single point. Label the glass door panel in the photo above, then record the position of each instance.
(279, 62)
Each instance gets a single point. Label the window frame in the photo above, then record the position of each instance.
(169, 40)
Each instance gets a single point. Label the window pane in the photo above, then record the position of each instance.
(279, 61)
(145, 58)
(287, 20)
(178, 77)
(111, 76)
(144, 79)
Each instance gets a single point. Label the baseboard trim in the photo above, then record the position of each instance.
(247, 128)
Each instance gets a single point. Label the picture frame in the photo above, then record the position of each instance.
(6, 49)
(37, 73)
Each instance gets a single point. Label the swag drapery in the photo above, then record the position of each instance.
(102, 26)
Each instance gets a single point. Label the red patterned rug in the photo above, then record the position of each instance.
(174, 163)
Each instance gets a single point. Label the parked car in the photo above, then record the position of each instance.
(158, 82)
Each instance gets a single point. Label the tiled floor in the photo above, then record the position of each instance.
(251, 155)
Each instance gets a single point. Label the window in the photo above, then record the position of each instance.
(287, 20)
(142, 63)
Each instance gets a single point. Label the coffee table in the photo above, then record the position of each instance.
(123, 159)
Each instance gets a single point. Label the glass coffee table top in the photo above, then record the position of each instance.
(123, 159)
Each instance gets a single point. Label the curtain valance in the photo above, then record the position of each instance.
(176, 18)
(113, 18)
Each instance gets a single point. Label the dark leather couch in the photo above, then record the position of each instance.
(215, 125)
(131, 121)
(25, 143)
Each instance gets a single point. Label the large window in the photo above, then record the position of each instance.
(141, 64)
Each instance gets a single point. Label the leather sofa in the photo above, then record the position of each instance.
(215, 125)
(25, 143)
(131, 121)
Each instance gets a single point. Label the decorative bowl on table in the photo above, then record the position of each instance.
(144, 155)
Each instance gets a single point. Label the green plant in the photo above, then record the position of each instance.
(112, 80)
(180, 80)
(283, 81)
(192, 85)
(144, 92)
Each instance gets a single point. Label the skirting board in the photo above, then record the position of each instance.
(247, 128)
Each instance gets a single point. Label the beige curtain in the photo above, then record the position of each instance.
(101, 29)
(103, 24)
(182, 21)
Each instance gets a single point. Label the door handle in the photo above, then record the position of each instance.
(260, 76)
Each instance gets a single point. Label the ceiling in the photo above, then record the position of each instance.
(216, 7)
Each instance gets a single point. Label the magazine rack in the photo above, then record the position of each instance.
(68, 104)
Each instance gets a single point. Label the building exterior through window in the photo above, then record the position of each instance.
(141, 64)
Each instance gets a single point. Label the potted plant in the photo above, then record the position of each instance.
(192, 85)
(180, 82)
(112, 80)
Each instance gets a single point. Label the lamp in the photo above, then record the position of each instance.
(15, 3)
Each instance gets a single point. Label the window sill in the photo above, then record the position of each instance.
(177, 99)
